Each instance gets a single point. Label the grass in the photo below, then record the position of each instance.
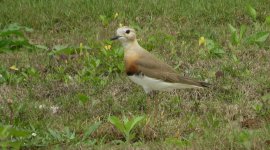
(66, 93)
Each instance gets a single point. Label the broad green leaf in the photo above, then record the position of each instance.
(4, 132)
(234, 38)
(120, 66)
(16, 26)
(232, 29)
(259, 37)
(267, 20)
(91, 129)
(12, 38)
(251, 12)
(27, 29)
(257, 107)
(117, 123)
(102, 17)
(14, 29)
(235, 59)
(210, 44)
(60, 47)
(131, 124)
(41, 47)
(104, 52)
(104, 20)
(128, 125)
(243, 29)
(10, 32)
(4, 43)
(13, 131)
(62, 50)
(70, 135)
(217, 52)
(13, 26)
(10, 144)
(83, 98)
(125, 120)
(55, 134)
(20, 43)
(214, 49)
(97, 62)
(243, 136)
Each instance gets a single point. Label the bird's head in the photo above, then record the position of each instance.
(125, 35)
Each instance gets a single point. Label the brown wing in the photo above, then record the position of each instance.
(152, 67)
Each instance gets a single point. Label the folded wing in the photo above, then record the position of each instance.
(150, 66)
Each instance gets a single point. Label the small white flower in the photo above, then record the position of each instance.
(54, 109)
(1, 76)
(34, 134)
(41, 106)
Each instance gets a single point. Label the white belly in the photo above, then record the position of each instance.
(150, 84)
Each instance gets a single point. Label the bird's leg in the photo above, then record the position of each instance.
(148, 103)
(150, 96)
(153, 96)
(197, 101)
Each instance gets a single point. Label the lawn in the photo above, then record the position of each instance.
(63, 85)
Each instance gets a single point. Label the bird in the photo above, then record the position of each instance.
(146, 70)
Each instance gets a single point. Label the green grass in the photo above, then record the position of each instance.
(86, 84)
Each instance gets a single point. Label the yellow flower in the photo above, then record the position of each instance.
(107, 47)
(115, 15)
(120, 25)
(202, 41)
(13, 67)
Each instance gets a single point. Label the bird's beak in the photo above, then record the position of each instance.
(115, 38)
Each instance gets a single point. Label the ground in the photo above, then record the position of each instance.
(59, 96)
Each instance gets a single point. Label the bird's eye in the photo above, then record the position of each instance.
(128, 31)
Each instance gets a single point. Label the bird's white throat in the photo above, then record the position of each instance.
(130, 44)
